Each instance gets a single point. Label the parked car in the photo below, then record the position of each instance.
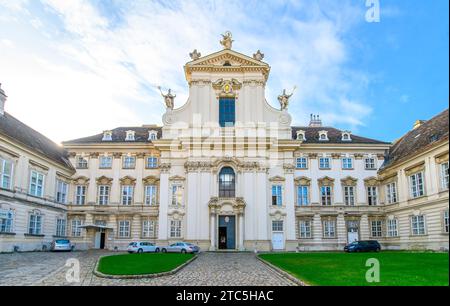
(142, 247)
(363, 246)
(62, 245)
(181, 247)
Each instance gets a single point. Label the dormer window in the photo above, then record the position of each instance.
(323, 135)
(129, 136)
(152, 135)
(346, 136)
(107, 136)
(301, 135)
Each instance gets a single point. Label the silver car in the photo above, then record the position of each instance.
(62, 245)
(180, 247)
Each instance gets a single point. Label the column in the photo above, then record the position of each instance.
(163, 205)
(317, 229)
(241, 232)
(212, 234)
(136, 227)
(364, 227)
(290, 206)
(340, 227)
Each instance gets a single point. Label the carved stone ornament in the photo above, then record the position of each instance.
(81, 180)
(371, 181)
(326, 181)
(336, 155)
(302, 180)
(288, 168)
(164, 167)
(227, 87)
(227, 40)
(128, 180)
(258, 56)
(150, 180)
(349, 181)
(103, 180)
(195, 55)
(233, 205)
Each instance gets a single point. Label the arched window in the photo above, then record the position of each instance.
(227, 183)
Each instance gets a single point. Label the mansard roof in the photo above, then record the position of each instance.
(425, 136)
(119, 135)
(33, 140)
(334, 136)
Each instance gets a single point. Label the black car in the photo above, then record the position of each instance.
(363, 246)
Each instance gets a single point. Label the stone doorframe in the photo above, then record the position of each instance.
(226, 206)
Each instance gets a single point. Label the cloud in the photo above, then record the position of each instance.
(96, 66)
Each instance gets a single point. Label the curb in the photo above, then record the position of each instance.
(283, 273)
(153, 275)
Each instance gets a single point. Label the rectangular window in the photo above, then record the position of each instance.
(370, 163)
(349, 195)
(127, 194)
(325, 195)
(76, 229)
(124, 229)
(329, 229)
(416, 185)
(391, 193)
(324, 163)
(302, 163)
(152, 162)
(177, 195)
(302, 195)
(6, 169)
(175, 229)
(305, 229)
(35, 226)
(418, 225)
(105, 162)
(392, 228)
(103, 194)
(446, 221)
(347, 163)
(377, 228)
(444, 175)
(81, 163)
(277, 198)
(129, 162)
(6, 221)
(80, 194)
(150, 194)
(226, 112)
(149, 229)
(36, 184)
(61, 191)
(61, 227)
(277, 226)
(372, 197)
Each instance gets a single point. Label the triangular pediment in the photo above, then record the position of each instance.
(232, 57)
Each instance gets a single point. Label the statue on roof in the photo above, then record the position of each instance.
(227, 41)
(168, 98)
(195, 55)
(284, 98)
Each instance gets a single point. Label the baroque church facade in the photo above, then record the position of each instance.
(227, 171)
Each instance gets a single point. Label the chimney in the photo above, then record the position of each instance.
(418, 123)
(315, 121)
(2, 100)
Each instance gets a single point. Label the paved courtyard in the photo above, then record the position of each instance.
(209, 269)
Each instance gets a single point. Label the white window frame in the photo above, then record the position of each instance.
(392, 227)
(302, 195)
(126, 195)
(370, 163)
(61, 226)
(37, 176)
(347, 163)
(6, 178)
(151, 195)
(62, 191)
(129, 162)
(6, 221)
(302, 162)
(376, 228)
(391, 193)
(418, 225)
(106, 162)
(35, 224)
(305, 229)
(277, 194)
(124, 229)
(327, 196)
(417, 185)
(149, 229)
(277, 226)
(76, 230)
(329, 228)
(324, 163)
(80, 194)
(444, 175)
(81, 162)
(175, 228)
(151, 162)
(372, 195)
(103, 194)
(350, 195)
(445, 221)
(177, 194)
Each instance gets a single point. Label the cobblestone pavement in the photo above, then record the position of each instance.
(209, 269)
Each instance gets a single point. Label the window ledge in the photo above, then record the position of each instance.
(34, 235)
(61, 237)
(7, 234)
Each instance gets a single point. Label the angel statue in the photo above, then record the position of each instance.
(168, 98)
(284, 98)
(227, 41)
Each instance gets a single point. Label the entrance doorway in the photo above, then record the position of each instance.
(227, 232)
(278, 241)
(352, 231)
(100, 238)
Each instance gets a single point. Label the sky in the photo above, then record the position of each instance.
(73, 68)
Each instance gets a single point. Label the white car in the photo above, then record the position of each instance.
(142, 247)
(181, 247)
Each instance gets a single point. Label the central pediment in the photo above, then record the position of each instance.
(226, 60)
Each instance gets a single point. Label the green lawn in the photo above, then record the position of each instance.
(343, 269)
(144, 263)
